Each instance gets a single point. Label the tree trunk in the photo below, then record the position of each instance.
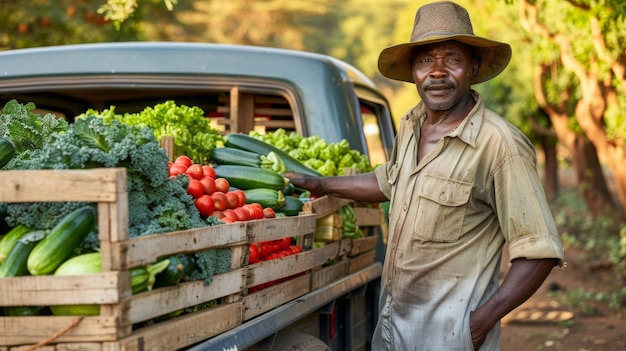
(590, 177)
(551, 174)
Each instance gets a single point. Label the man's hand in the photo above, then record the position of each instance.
(524, 278)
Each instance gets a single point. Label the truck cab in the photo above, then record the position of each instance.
(239, 88)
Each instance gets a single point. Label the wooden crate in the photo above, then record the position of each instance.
(115, 327)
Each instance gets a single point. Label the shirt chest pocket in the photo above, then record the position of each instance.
(441, 209)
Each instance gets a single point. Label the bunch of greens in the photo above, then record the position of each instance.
(191, 131)
(27, 130)
(327, 158)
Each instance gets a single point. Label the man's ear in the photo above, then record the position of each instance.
(475, 66)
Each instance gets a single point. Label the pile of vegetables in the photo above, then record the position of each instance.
(192, 133)
(328, 159)
(241, 162)
(214, 197)
(159, 203)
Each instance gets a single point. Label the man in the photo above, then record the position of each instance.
(461, 182)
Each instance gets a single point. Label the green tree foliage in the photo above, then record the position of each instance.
(30, 23)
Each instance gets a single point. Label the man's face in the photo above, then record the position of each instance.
(443, 73)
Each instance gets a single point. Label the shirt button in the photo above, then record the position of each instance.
(405, 207)
(443, 197)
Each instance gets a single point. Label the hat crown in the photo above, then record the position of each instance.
(439, 19)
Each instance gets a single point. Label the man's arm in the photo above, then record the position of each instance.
(523, 279)
(360, 187)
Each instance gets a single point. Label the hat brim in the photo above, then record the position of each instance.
(394, 61)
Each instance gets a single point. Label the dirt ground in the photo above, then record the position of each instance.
(545, 323)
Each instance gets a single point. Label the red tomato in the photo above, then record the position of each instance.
(242, 214)
(208, 171)
(268, 212)
(195, 188)
(232, 214)
(177, 168)
(258, 212)
(195, 171)
(241, 195)
(222, 185)
(220, 199)
(254, 254)
(209, 185)
(285, 243)
(250, 210)
(295, 249)
(217, 213)
(205, 205)
(259, 249)
(228, 220)
(183, 160)
(233, 200)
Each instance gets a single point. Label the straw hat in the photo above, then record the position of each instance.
(443, 21)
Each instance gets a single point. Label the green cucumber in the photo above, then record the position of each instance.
(15, 264)
(292, 206)
(7, 151)
(10, 239)
(274, 199)
(248, 143)
(60, 243)
(142, 279)
(245, 177)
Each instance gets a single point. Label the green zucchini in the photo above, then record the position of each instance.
(7, 151)
(142, 278)
(244, 177)
(21, 311)
(233, 156)
(172, 274)
(10, 239)
(189, 263)
(265, 197)
(15, 264)
(248, 143)
(289, 189)
(292, 206)
(61, 241)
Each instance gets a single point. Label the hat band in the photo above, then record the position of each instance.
(441, 33)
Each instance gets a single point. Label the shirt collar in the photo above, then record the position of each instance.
(467, 131)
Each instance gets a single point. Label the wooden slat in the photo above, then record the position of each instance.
(144, 250)
(267, 271)
(326, 275)
(324, 205)
(93, 185)
(368, 217)
(271, 297)
(264, 230)
(57, 290)
(33, 329)
(361, 261)
(173, 298)
(182, 331)
(361, 245)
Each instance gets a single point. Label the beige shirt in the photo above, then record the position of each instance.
(450, 216)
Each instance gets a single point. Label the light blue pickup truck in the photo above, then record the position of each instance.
(240, 88)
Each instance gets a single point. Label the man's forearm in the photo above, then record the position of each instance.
(521, 282)
(360, 187)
